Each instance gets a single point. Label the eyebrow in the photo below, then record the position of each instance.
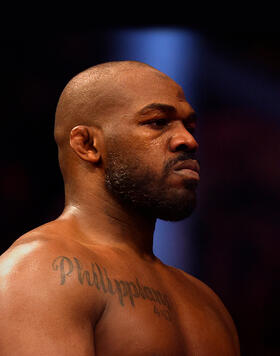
(165, 108)
(157, 107)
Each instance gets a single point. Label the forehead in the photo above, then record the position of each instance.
(145, 88)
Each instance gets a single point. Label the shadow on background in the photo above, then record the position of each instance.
(231, 241)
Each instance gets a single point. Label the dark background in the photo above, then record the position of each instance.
(237, 221)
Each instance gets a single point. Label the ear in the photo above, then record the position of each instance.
(84, 142)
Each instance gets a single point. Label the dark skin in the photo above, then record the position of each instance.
(88, 282)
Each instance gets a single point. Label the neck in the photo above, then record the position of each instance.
(100, 219)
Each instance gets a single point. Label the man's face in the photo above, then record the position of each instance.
(147, 144)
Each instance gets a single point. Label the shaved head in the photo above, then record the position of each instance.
(90, 97)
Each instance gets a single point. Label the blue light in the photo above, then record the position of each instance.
(172, 51)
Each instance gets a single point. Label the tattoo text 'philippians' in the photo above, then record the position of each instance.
(98, 277)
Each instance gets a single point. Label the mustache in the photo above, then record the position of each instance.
(184, 156)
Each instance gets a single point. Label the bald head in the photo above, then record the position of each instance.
(96, 102)
(92, 95)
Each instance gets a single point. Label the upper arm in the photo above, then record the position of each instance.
(38, 316)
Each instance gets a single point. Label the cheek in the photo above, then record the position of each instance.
(137, 146)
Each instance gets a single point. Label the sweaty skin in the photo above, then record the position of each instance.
(88, 282)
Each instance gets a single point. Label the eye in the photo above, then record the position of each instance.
(158, 123)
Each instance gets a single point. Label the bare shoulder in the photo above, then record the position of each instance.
(34, 259)
(34, 301)
(28, 257)
(207, 297)
(201, 289)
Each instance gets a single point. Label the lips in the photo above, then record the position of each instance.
(189, 171)
(189, 164)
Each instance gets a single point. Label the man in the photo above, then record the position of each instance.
(88, 283)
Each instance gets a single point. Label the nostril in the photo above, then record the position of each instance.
(181, 147)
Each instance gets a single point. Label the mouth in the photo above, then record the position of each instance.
(188, 173)
(188, 164)
(189, 169)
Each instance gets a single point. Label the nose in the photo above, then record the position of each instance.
(182, 140)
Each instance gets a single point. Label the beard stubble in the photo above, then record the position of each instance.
(136, 186)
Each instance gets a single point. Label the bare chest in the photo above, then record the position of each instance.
(145, 317)
(149, 314)
(139, 320)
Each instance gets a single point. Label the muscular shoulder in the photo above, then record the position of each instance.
(199, 289)
(37, 309)
(203, 296)
(33, 270)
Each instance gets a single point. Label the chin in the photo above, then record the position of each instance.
(174, 215)
(175, 210)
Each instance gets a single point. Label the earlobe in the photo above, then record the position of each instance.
(83, 142)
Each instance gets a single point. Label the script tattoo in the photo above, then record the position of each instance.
(165, 313)
(98, 277)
